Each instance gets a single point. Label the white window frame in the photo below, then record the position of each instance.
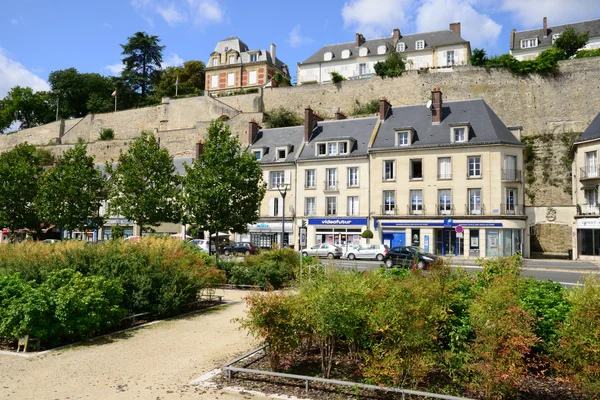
(231, 59)
(343, 147)
(328, 56)
(590, 164)
(401, 47)
(475, 171)
(389, 202)
(363, 51)
(555, 36)
(258, 153)
(450, 60)
(444, 174)
(529, 43)
(252, 77)
(215, 61)
(253, 57)
(474, 206)
(389, 174)
(319, 147)
(444, 207)
(346, 54)
(277, 155)
(465, 134)
(412, 173)
(276, 178)
(353, 177)
(382, 49)
(420, 45)
(310, 206)
(214, 81)
(416, 207)
(332, 149)
(511, 193)
(310, 178)
(231, 79)
(331, 206)
(403, 138)
(362, 69)
(331, 179)
(353, 206)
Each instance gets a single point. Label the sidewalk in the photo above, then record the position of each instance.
(537, 263)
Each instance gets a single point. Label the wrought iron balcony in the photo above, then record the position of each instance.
(332, 186)
(474, 209)
(512, 209)
(588, 209)
(590, 172)
(444, 209)
(511, 175)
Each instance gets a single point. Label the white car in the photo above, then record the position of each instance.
(202, 244)
(369, 252)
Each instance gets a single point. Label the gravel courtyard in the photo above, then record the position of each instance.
(154, 362)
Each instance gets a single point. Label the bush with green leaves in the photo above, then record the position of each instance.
(107, 134)
(281, 117)
(545, 63)
(571, 41)
(370, 107)
(478, 58)
(588, 53)
(393, 66)
(336, 77)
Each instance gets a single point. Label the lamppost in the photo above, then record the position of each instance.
(282, 188)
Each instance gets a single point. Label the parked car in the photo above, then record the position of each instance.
(51, 241)
(348, 250)
(202, 244)
(369, 252)
(323, 250)
(246, 248)
(409, 256)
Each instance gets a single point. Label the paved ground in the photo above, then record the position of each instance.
(154, 362)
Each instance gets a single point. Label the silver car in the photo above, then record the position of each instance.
(368, 252)
(323, 250)
(202, 244)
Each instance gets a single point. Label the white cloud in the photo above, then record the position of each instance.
(106, 25)
(13, 73)
(172, 60)
(14, 21)
(296, 39)
(115, 69)
(476, 27)
(206, 11)
(530, 13)
(174, 12)
(170, 14)
(375, 18)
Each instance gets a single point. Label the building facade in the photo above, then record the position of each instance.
(356, 60)
(526, 45)
(233, 66)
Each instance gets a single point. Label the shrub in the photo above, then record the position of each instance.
(281, 80)
(393, 66)
(272, 268)
(478, 58)
(569, 41)
(336, 77)
(588, 53)
(370, 107)
(498, 267)
(107, 134)
(281, 117)
(367, 234)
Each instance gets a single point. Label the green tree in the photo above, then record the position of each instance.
(143, 186)
(20, 170)
(191, 79)
(223, 188)
(29, 108)
(80, 93)
(71, 193)
(143, 59)
(337, 77)
(570, 41)
(281, 117)
(393, 66)
(478, 58)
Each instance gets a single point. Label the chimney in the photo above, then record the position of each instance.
(436, 106)
(384, 108)
(360, 39)
(396, 34)
(252, 131)
(273, 52)
(545, 27)
(513, 32)
(455, 26)
(199, 149)
(309, 123)
(339, 115)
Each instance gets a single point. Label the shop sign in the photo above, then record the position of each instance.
(120, 221)
(588, 223)
(403, 224)
(426, 243)
(266, 226)
(337, 221)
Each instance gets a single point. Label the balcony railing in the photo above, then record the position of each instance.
(444, 175)
(512, 209)
(511, 175)
(309, 185)
(588, 209)
(590, 172)
(389, 210)
(331, 186)
(474, 209)
(444, 209)
(416, 209)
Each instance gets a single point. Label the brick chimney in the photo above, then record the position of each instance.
(339, 115)
(396, 34)
(199, 149)
(436, 106)
(310, 120)
(545, 27)
(360, 39)
(253, 128)
(455, 26)
(384, 108)
(273, 52)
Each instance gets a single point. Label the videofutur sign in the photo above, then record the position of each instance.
(337, 221)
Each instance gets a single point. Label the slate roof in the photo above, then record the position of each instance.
(270, 139)
(592, 131)
(592, 26)
(432, 39)
(178, 162)
(486, 127)
(234, 43)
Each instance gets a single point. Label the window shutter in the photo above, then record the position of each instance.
(287, 177)
(271, 207)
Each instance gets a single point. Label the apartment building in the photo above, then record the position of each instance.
(586, 173)
(356, 60)
(526, 45)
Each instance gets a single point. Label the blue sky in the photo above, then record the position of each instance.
(40, 36)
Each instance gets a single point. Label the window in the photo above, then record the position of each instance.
(459, 135)
(474, 196)
(381, 50)
(258, 154)
(353, 177)
(230, 79)
(401, 46)
(389, 202)
(416, 202)
(277, 179)
(510, 172)
(420, 45)
(331, 208)
(352, 205)
(444, 168)
(554, 37)
(403, 139)
(310, 178)
(363, 51)
(214, 81)
(215, 62)
(321, 149)
(331, 182)
(332, 149)
(281, 154)
(343, 147)
(362, 69)
(416, 169)
(345, 53)
(252, 77)
(231, 59)
(275, 208)
(528, 43)
(328, 56)
(591, 164)
(388, 171)
(511, 201)
(310, 206)
(474, 167)
(445, 202)
(450, 57)
(253, 57)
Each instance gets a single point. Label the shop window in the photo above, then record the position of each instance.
(416, 237)
(474, 243)
(416, 169)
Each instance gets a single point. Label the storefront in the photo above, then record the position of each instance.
(107, 230)
(343, 232)
(450, 237)
(265, 234)
(588, 237)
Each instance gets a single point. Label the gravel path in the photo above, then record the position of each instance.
(154, 362)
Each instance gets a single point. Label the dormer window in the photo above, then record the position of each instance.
(232, 59)
(529, 43)
(381, 50)
(345, 53)
(258, 154)
(281, 153)
(554, 37)
(401, 47)
(328, 56)
(363, 52)
(253, 57)
(332, 148)
(420, 45)
(403, 138)
(215, 62)
(460, 134)
(321, 149)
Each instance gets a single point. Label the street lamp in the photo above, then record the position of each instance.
(282, 188)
